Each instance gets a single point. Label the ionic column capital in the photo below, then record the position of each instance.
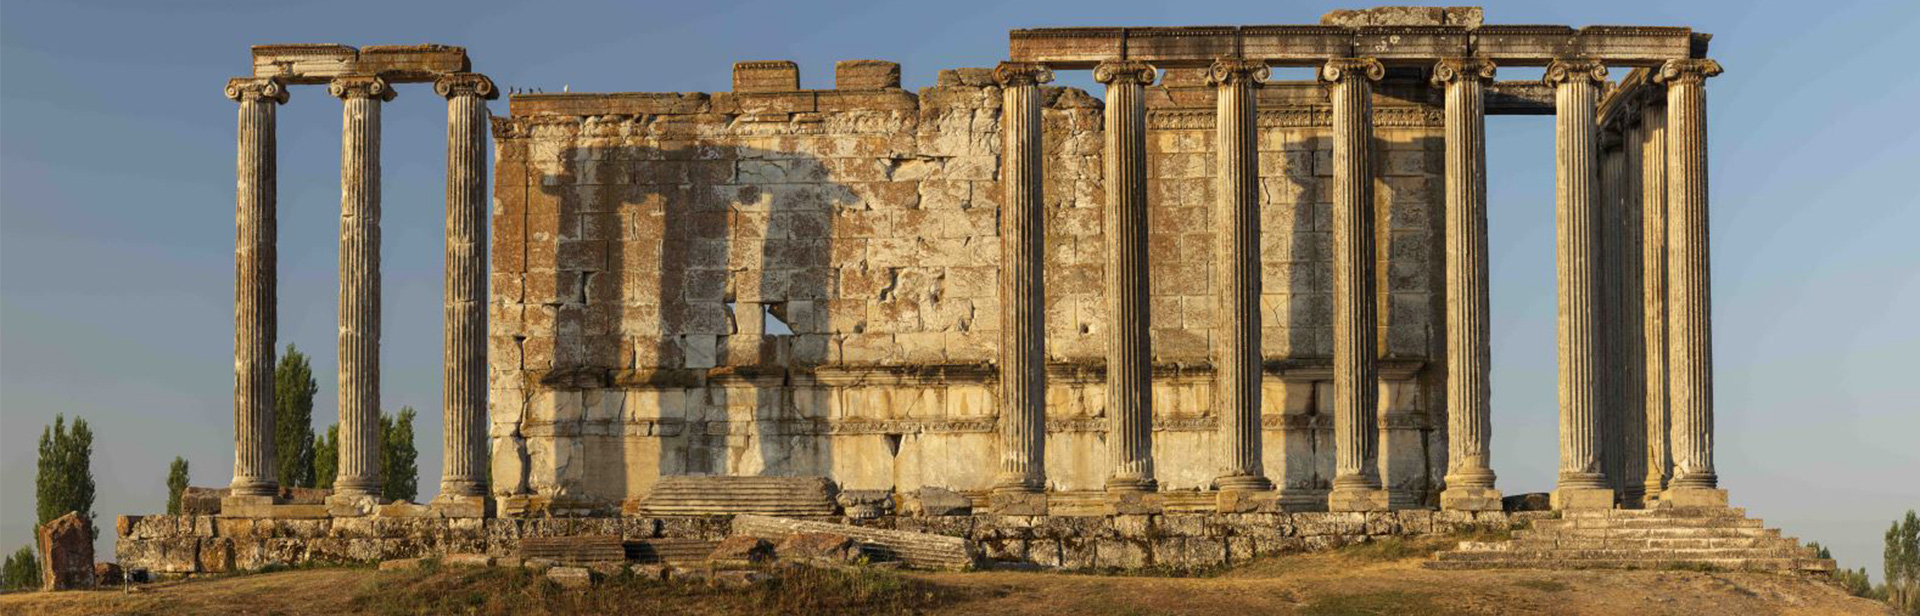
(1124, 71)
(465, 84)
(1449, 70)
(1340, 69)
(361, 86)
(1691, 71)
(1022, 74)
(1236, 70)
(1566, 71)
(241, 89)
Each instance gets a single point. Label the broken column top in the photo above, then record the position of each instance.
(1465, 16)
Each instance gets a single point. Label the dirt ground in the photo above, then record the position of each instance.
(1336, 583)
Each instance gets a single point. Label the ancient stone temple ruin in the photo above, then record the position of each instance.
(1252, 312)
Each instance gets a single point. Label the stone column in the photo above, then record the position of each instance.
(1632, 345)
(1583, 485)
(1653, 284)
(1129, 363)
(255, 465)
(1237, 369)
(464, 384)
(1356, 383)
(1021, 486)
(360, 284)
(1612, 170)
(1469, 348)
(1689, 332)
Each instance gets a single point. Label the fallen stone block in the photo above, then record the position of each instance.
(742, 549)
(467, 560)
(107, 574)
(943, 502)
(650, 572)
(917, 549)
(403, 564)
(865, 504)
(572, 578)
(832, 548)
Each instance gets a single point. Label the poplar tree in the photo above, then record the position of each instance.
(176, 484)
(326, 458)
(65, 480)
(293, 390)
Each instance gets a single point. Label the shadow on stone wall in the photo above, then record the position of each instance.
(693, 283)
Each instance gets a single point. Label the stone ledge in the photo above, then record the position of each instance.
(176, 545)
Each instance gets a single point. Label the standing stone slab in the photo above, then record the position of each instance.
(66, 553)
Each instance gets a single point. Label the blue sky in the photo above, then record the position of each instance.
(116, 216)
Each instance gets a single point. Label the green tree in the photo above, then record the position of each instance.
(1854, 581)
(176, 484)
(1902, 564)
(399, 459)
(326, 458)
(293, 390)
(65, 481)
(21, 572)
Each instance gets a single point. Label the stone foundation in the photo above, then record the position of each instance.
(184, 545)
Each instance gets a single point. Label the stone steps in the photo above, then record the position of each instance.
(671, 551)
(1808, 565)
(917, 549)
(578, 549)
(1722, 538)
(722, 495)
(1650, 533)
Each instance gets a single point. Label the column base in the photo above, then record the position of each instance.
(246, 506)
(1132, 484)
(1017, 502)
(1470, 499)
(1301, 499)
(1244, 501)
(1582, 498)
(461, 506)
(1681, 498)
(1134, 503)
(1358, 499)
(351, 505)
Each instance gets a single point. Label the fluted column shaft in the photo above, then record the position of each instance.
(1576, 247)
(1632, 348)
(1689, 331)
(1653, 272)
(464, 382)
(1469, 346)
(255, 471)
(1356, 389)
(1023, 368)
(1238, 369)
(1129, 362)
(359, 379)
(1612, 170)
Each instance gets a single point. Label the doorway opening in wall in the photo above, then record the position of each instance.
(1521, 286)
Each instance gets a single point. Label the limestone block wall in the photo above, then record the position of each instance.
(803, 282)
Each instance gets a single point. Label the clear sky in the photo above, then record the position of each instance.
(117, 196)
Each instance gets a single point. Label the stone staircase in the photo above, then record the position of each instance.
(683, 552)
(1669, 538)
(722, 495)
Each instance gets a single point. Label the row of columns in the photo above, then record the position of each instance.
(1583, 348)
(464, 413)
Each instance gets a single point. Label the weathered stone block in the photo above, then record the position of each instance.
(1680, 498)
(246, 506)
(866, 74)
(1357, 500)
(1582, 498)
(1470, 499)
(66, 553)
(1017, 503)
(766, 76)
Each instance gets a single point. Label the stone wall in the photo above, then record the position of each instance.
(174, 545)
(643, 243)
